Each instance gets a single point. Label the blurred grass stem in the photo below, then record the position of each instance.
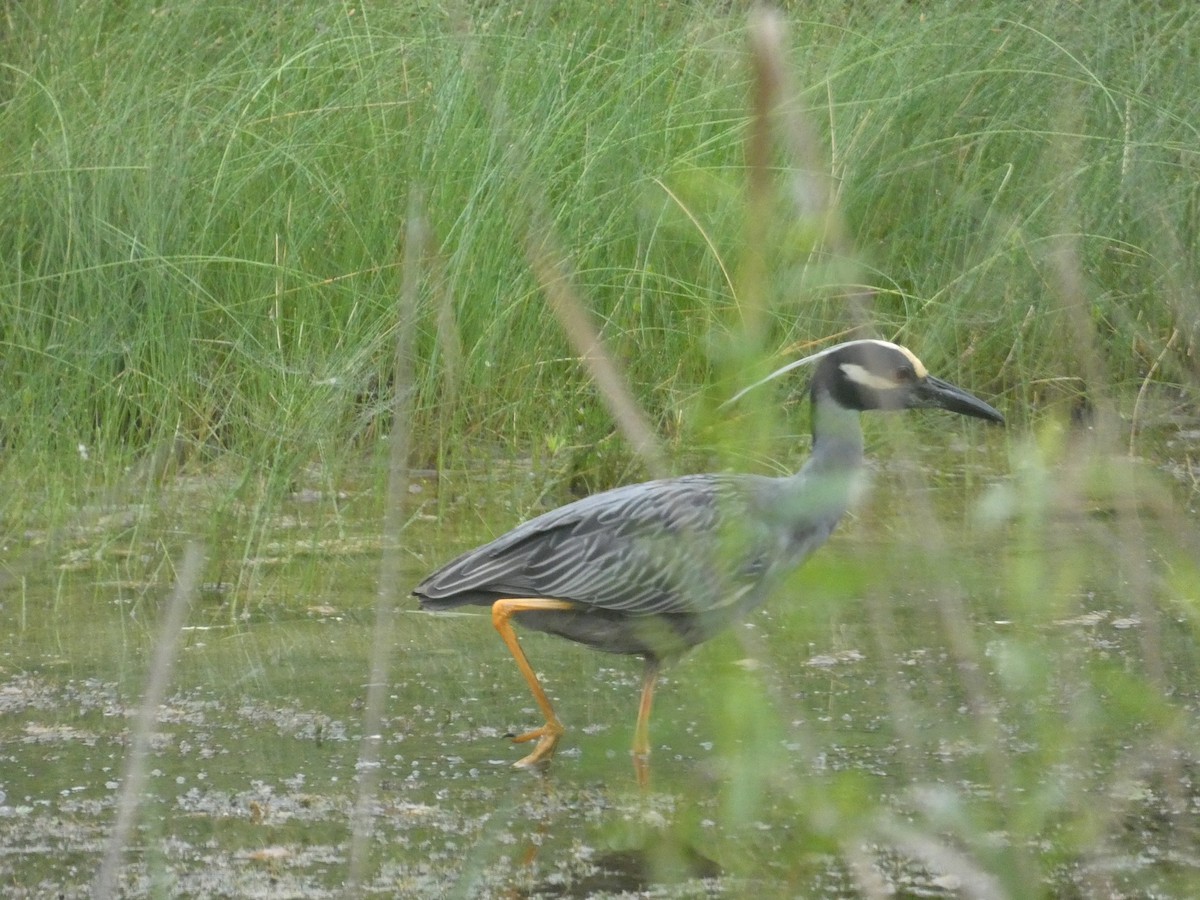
(390, 570)
(158, 678)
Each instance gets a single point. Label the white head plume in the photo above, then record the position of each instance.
(816, 356)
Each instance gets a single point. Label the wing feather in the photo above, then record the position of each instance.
(646, 548)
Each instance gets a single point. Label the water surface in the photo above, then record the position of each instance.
(935, 705)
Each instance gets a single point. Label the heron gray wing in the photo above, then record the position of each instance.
(659, 547)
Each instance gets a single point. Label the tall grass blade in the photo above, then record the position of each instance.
(390, 571)
(158, 677)
(571, 313)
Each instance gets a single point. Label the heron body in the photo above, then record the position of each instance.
(654, 569)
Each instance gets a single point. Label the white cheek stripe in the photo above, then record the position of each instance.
(866, 378)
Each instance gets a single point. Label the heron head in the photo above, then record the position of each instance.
(871, 374)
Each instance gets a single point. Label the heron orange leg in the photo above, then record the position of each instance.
(641, 734)
(547, 736)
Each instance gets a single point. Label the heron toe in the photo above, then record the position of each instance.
(547, 741)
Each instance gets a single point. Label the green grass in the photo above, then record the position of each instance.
(205, 205)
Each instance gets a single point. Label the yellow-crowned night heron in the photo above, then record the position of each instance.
(654, 569)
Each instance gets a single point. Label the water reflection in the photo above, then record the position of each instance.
(661, 862)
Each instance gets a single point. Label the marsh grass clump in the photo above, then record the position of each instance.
(207, 213)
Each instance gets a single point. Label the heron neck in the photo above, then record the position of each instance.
(837, 437)
(812, 501)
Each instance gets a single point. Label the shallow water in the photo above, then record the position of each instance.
(922, 726)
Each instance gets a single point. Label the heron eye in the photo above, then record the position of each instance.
(905, 375)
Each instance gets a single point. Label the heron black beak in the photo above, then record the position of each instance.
(933, 393)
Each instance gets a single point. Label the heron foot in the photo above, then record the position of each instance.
(547, 741)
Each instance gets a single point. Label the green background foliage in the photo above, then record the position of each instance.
(204, 207)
